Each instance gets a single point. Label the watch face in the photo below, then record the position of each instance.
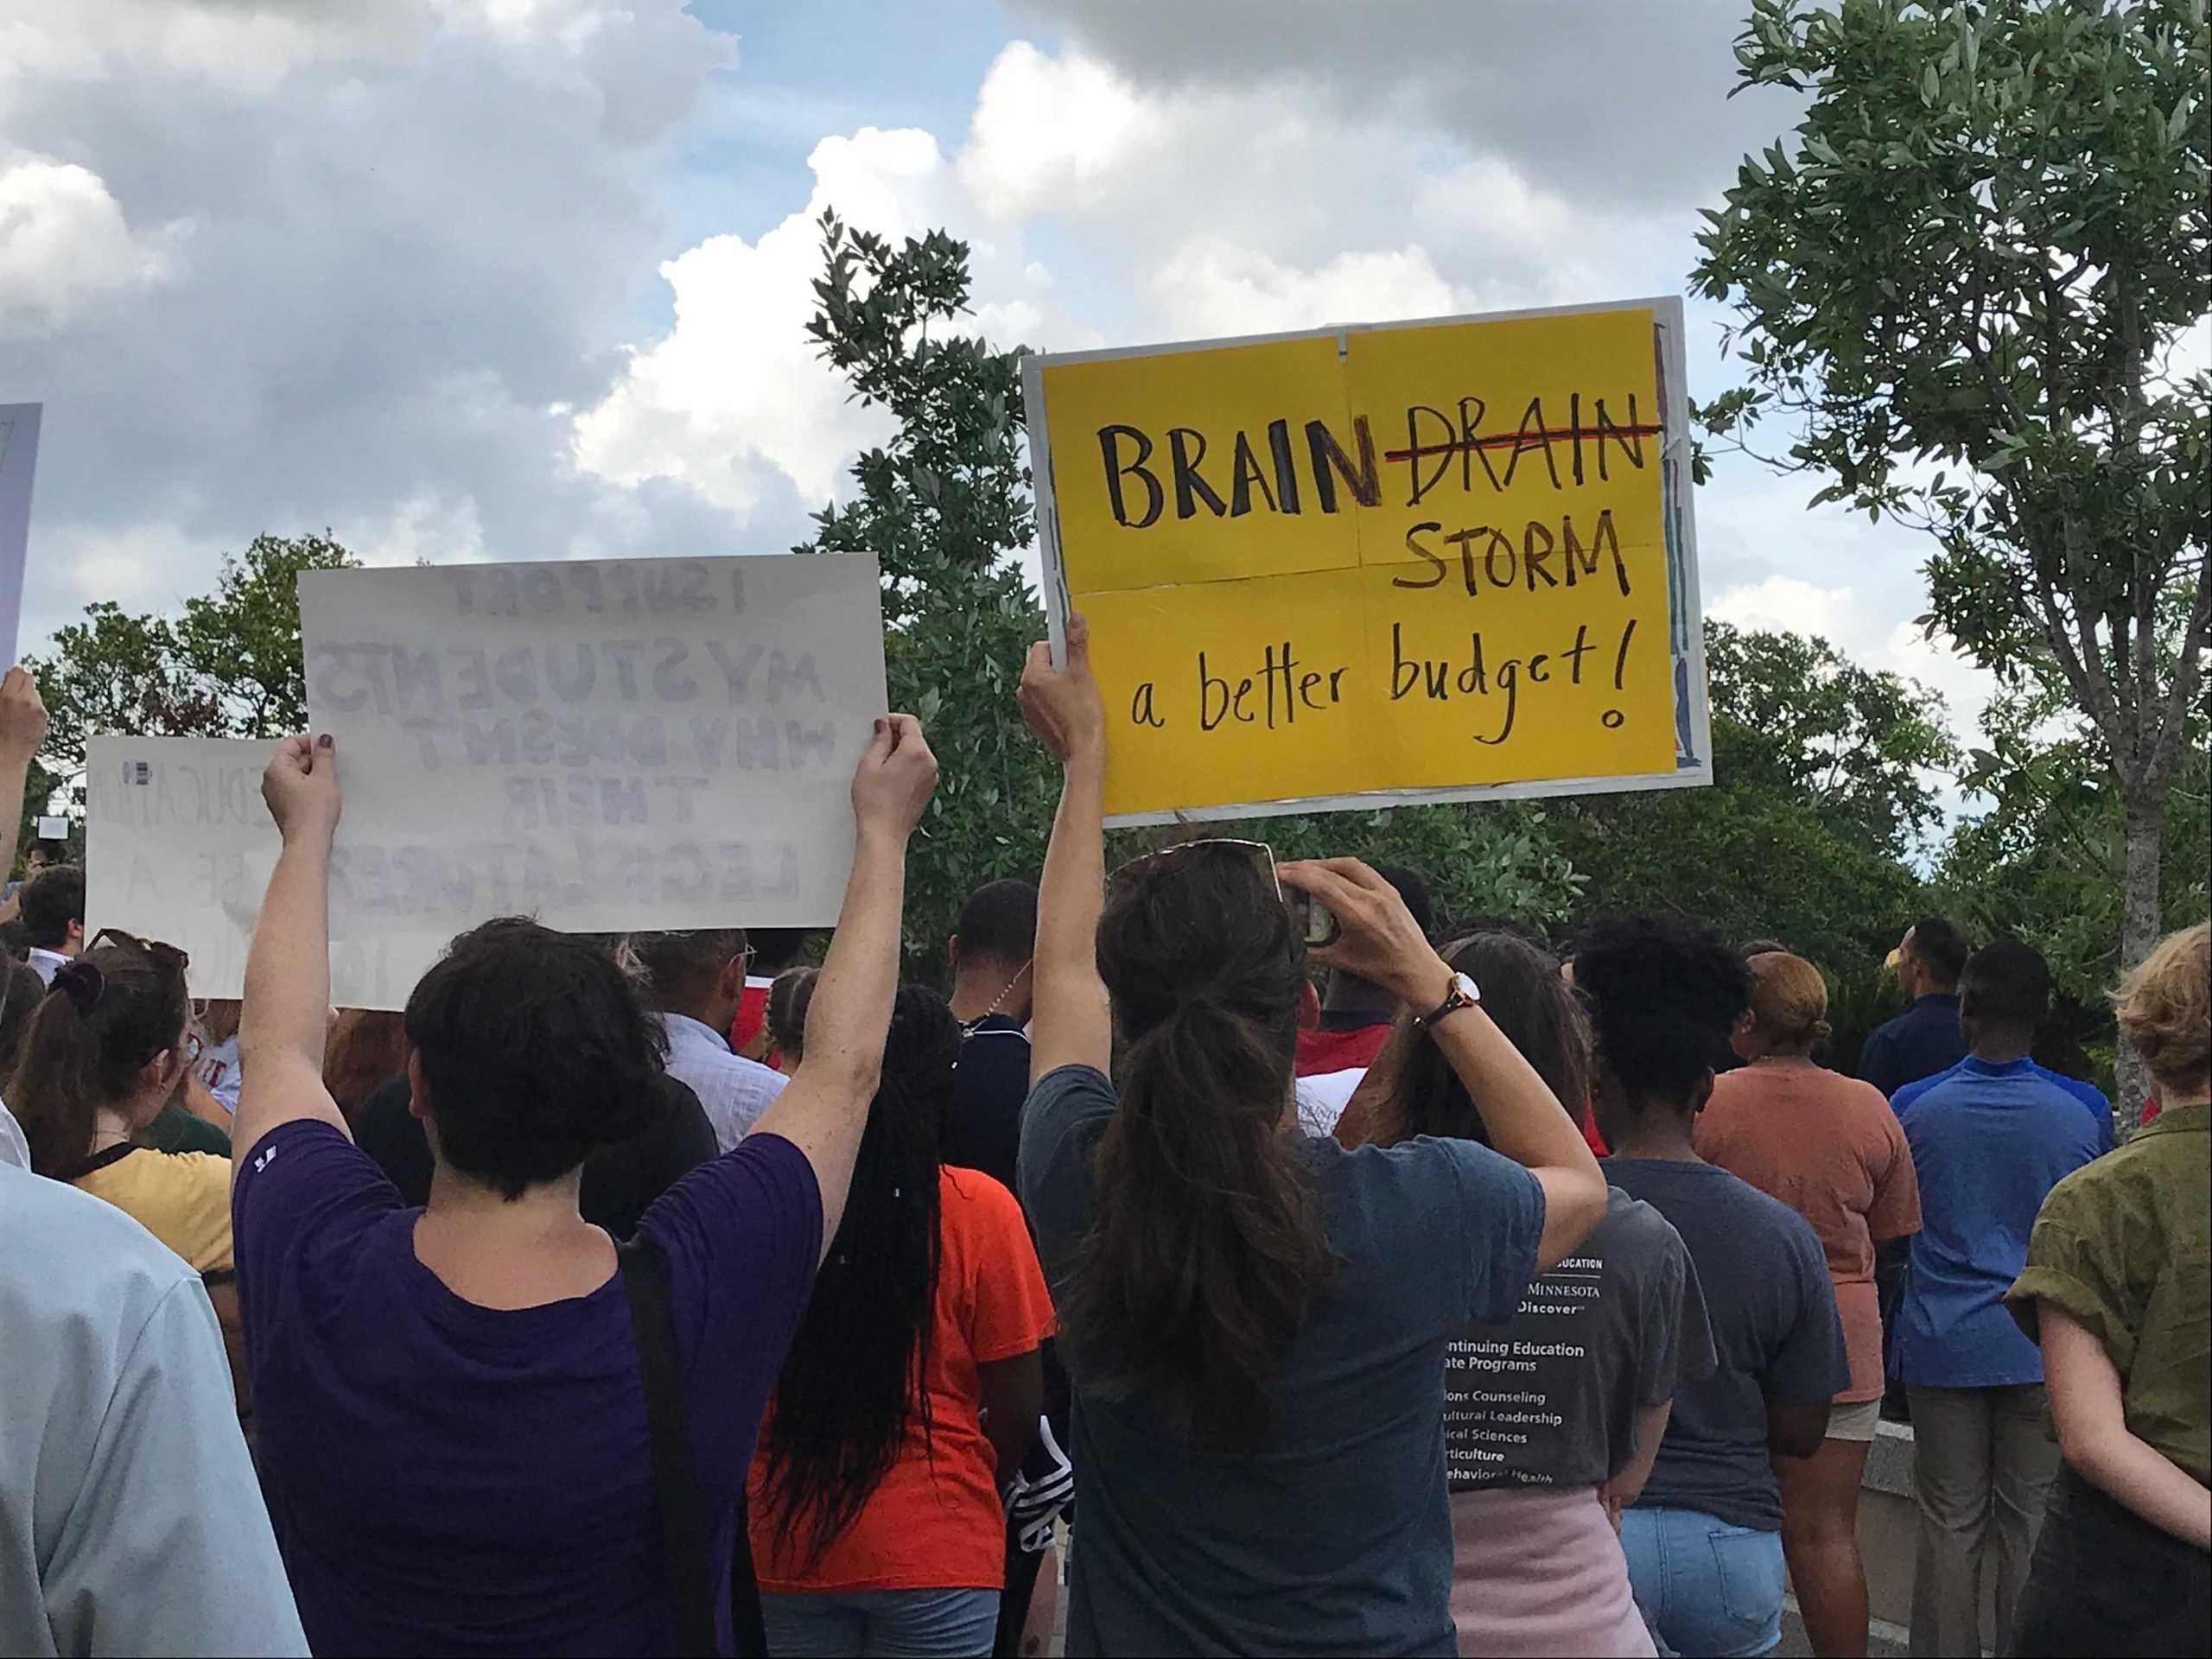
(1466, 987)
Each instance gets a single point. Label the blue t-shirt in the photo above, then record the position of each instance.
(450, 1478)
(1334, 1535)
(1923, 1040)
(1775, 1335)
(1988, 1143)
(2087, 1093)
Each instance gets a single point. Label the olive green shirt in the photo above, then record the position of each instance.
(175, 1130)
(2125, 1245)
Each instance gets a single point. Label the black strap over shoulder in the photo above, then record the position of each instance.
(675, 1481)
(686, 1535)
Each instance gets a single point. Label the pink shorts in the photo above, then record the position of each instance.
(1539, 1570)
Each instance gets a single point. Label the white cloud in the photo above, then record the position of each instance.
(1211, 287)
(1787, 603)
(65, 246)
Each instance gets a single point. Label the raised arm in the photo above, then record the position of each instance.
(22, 728)
(825, 1108)
(288, 967)
(1071, 1023)
(1383, 943)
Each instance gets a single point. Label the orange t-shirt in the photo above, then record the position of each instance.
(935, 1522)
(1830, 1148)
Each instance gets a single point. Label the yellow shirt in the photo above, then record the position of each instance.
(183, 1199)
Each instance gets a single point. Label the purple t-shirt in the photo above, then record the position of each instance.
(451, 1478)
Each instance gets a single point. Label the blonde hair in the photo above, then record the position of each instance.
(1789, 1000)
(2164, 1009)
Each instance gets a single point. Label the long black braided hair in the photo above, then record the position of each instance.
(848, 1393)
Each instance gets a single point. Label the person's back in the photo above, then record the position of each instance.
(2118, 1280)
(1925, 1038)
(1989, 1140)
(454, 1426)
(991, 996)
(468, 1478)
(1320, 1538)
(1829, 1147)
(923, 1552)
(1775, 1335)
(1256, 1320)
(130, 1518)
(1552, 1417)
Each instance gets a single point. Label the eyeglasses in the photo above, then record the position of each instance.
(166, 957)
(1257, 851)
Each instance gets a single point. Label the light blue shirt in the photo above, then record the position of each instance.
(1988, 1143)
(733, 1089)
(130, 1520)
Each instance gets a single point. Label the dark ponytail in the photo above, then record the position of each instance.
(847, 1396)
(107, 1014)
(1208, 1244)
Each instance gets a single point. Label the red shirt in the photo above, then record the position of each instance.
(935, 1522)
(1321, 1053)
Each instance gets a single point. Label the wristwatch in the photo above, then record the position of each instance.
(1463, 994)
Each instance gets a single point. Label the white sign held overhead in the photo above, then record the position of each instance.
(178, 847)
(18, 456)
(605, 745)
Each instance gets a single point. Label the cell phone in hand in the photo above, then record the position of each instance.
(1317, 923)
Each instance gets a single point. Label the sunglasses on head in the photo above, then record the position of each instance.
(166, 957)
(1258, 852)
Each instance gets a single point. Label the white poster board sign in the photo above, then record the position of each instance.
(604, 745)
(18, 456)
(178, 847)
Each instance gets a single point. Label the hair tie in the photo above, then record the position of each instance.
(83, 983)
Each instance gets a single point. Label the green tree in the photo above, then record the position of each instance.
(2036, 859)
(229, 667)
(1962, 281)
(946, 507)
(1823, 791)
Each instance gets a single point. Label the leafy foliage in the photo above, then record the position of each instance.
(229, 667)
(1965, 284)
(1823, 787)
(945, 506)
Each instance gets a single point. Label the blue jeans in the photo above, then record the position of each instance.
(1706, 1588)
(895, 1623)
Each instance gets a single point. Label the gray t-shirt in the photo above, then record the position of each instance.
(1775, 1332)
(1334, 1536)
(1549, 1397)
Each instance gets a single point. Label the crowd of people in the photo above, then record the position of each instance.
(716, 1292)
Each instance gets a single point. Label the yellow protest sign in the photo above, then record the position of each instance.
(1414, 562)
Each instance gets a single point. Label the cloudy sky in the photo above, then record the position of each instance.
(515, 279)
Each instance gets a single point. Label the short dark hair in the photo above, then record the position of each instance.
(999, 922)
(1663, 995)
(536, 1052)
(1413, 890)
(1940, 945)
(52, 851)
(1751, 947)
(50, 901)
(681, 968)
(775, 948)
(2006, 984)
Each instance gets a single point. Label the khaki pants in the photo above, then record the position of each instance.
(1983, 1460)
